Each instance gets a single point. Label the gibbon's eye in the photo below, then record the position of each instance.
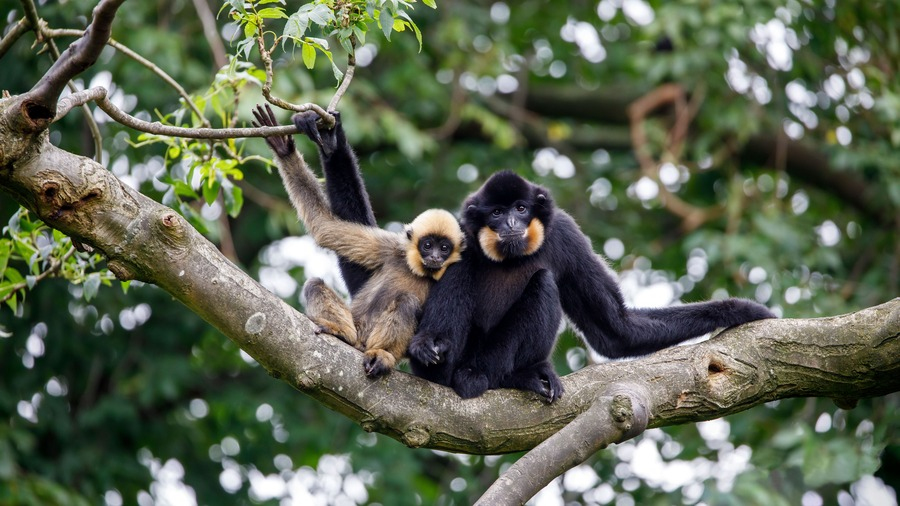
(445, 247)
(426, 245)
(521, 209)
(497, 213)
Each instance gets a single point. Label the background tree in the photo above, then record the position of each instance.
(708, 149)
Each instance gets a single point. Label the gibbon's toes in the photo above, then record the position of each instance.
(374, 367)
(469, 383)
(552, 388)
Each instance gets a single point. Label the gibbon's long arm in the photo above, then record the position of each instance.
(343, 184)
(591, 298)
(361, 244)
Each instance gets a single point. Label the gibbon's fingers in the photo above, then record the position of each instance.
(306, 123)
(424, 350)
(282, 145)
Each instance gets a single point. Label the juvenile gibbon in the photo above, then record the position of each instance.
(401, 267)
(492, 321)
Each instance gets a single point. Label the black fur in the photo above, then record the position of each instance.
(344, 185)
(492, 324)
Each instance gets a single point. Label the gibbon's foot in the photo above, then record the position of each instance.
(469, 383)
(378, 363)
(426, 350)
(333, 330)
(552, 388)
(539, 378)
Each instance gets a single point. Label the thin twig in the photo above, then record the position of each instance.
(140, 59)
(98, 95)
(39, 26)
(266, 57)
(54, 267)
(14, 34)
(348, 76)
(692, 216)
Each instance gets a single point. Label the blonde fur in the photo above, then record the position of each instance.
(433, 222)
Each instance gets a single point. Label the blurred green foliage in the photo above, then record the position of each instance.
(102, 389)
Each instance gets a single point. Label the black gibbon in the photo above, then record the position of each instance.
(492, 321)
(401, 267)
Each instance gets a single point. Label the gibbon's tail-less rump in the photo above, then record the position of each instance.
(492, 320)
(393, 271)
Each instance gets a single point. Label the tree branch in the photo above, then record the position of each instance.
(13, 35)
(41, 103)
(618, 415)
(98, 95)
(152, 67)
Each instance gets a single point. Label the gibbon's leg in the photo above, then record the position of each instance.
(344, 185)
(390, 334)
(327, 310)
(515, 352)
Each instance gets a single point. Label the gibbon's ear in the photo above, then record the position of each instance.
(409, 232)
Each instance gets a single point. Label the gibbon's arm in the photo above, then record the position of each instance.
(343, 181)
(446, 318)
(343, 184)
(591, 298)
(361, 244)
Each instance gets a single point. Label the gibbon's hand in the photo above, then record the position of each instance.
(426, 349)
(282, 145)
(307, 123)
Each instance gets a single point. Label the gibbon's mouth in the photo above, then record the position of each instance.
(512, 235)
(432, 265)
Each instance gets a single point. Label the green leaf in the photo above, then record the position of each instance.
(250, 27)
(321, 15)
(211, 191)
(234, 201)
(272, 13)
(415, 28)
(5, 252)
(245, 46)
(12, 302)
(386, 20)
(309, 55)
(430, 3)
(91, 286)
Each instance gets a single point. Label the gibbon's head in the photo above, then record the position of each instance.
(509, 216)
(435, 242)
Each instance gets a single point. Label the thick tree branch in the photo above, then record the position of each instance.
(619, 415)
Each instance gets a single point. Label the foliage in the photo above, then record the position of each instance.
(90, 374)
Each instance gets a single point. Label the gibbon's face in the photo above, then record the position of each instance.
(508, 216)
(435, 241)
(434, 250)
